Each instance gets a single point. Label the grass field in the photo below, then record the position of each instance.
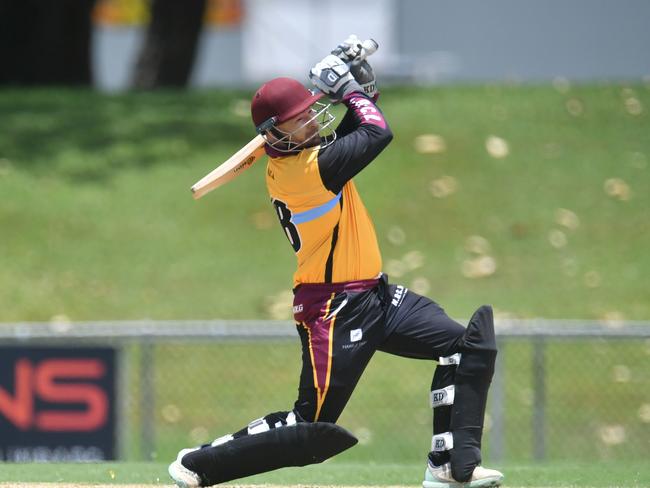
(628, 475)
(97, 220)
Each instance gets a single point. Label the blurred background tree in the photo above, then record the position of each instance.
(49, 42)
(168, 53)
(45, 42)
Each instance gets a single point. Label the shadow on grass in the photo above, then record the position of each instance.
(86, 135)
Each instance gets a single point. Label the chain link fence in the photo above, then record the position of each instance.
(562, 390)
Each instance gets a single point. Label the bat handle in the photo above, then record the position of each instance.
(368, 47)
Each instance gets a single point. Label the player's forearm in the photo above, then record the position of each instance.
(348, 155)
(367, 119)
(351, 121)
(362, 110)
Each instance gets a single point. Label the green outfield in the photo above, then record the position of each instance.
(624, 475)
(98, 223)
(533, 198)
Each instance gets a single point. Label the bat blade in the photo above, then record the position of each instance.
(231, 168)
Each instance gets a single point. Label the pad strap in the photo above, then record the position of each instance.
(260, 425)
(222, 440)
(442, 442)
(441, 397)
(453, 360)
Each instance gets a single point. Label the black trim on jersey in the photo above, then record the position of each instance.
(329, 266)
(356, 145)
(330, 259)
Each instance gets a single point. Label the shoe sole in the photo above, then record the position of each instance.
(177, 475)
(486, 483)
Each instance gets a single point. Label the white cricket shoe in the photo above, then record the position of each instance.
(440, 477)
(183, 477)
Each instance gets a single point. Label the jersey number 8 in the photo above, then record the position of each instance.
(290, 229)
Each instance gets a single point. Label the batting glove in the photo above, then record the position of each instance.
(332, 77)
(349, 51)
(365, 76)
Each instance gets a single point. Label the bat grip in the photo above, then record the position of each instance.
(368, 47)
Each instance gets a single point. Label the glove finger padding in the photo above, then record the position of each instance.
(349, 49)
(365, 76)
(332, 77)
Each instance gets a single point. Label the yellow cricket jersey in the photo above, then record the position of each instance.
(318, 205)
(332, 234)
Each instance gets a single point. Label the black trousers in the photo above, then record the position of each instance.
(341, 327)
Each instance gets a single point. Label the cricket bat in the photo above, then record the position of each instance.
(251, 152)
(230, 169)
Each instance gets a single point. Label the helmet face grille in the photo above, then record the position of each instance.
(284, 141)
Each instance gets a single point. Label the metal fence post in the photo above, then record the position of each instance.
(539, 399)
(122, 405)
(147, 400)
(497, 406)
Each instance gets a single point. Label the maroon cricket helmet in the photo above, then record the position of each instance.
(278, 100)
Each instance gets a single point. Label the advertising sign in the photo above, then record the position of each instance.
(57, 404)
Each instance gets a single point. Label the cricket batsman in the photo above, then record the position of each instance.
(345, 309)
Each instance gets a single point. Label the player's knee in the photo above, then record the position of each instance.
(478, 349)
(479, 334)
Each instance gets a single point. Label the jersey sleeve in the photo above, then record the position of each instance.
(361, 136)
